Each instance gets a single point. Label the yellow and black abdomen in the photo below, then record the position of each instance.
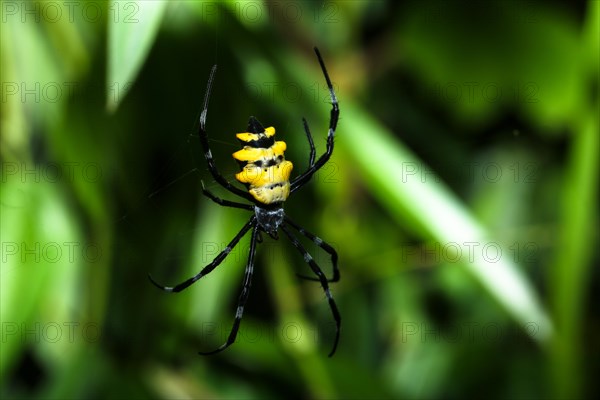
(265, 171)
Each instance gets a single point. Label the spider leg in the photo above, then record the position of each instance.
(223, 202)
(208, 154)
(313, 265)
(301, 180)
(214, 264)
(311, 143)
(243, 297)
(322, 244)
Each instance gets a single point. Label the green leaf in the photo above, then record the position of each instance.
(572, 269)
(412, 193)
(132, 26)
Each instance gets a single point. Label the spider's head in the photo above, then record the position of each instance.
(269, 219)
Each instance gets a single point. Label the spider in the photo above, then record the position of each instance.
(266, 173)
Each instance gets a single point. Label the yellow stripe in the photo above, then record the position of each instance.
(249, 137)
(255, 154)
(257, 177)
(269, 195)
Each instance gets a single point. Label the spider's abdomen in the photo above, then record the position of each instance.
(265, 171)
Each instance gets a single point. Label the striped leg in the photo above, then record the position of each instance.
(311, 143)
(214, 264)
(313, 265)
(333, 120)
(208, 154)
(322, 244)
(243, 297)
(223, 202)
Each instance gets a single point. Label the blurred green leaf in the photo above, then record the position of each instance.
(573, 260)
(415, 195)
(132, 27)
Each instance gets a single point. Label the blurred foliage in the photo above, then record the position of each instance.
(461, 197)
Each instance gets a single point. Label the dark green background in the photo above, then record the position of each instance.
(464, 125)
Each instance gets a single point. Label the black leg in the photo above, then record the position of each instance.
(313, 265)
(214, 264)
(311, 143)
(243, 297)
(223, 202)
(333, 120)
(208, 154)
(322, 244)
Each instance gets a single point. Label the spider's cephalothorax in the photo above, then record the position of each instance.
(266, 174)
(269, 220)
